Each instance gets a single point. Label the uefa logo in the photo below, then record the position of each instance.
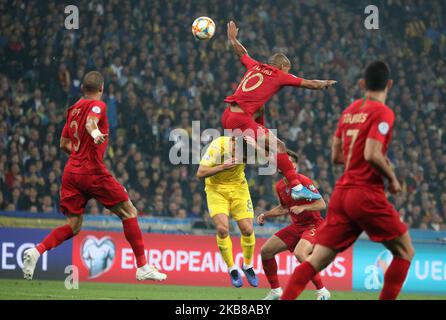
(98, 255)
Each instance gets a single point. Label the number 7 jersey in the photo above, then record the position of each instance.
(86, 157)
(363, 119)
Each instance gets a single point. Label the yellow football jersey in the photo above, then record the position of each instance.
(219, 150)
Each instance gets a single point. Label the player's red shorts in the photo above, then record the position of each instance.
(352, 211)
(242, 121)
(77, 189)
(293, 233)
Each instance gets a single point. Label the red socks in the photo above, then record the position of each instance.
(270, 268)
(394, 278)
(317, 281)
(133, 235)
(301, 275)
(55, 238)
(131, 230)
(285, 165)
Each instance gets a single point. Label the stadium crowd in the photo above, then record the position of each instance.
(158, 78)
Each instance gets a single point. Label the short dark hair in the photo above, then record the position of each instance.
(278, 60)
(293, 155)
(376, 76)
(92, 82)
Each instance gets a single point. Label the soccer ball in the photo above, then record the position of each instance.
(203, 28)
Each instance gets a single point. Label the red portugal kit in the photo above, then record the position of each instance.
(358, 202)
(258, 85)
(305, 224)
(85, 174)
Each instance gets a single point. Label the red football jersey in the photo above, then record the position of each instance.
(284, 194)
(259, 84)
(364, 118)
(86, 156)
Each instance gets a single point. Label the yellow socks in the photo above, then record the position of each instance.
(225, 247)
(248, 244)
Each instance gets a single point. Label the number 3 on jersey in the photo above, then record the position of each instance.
(74, 125)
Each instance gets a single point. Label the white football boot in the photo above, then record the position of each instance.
(149, 272)
(30, 258)
(323, 294)
(274, 294)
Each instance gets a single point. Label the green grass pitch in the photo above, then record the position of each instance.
(45, 290)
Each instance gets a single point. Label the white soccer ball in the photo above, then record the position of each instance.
(203, 28)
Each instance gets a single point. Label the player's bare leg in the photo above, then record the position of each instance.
(128, 214)
(247, 242)
(270, 248)
(403, 252)
(284, 164)
(56, 237)
(303, 250)
(224, 243)
(320, 258)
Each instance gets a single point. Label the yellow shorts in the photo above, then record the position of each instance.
(230, 200)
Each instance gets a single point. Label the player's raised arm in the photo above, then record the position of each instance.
(288, 79)
(317, 84)
(92, 127)
(232, 37)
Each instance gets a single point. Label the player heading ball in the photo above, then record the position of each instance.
(245, 106)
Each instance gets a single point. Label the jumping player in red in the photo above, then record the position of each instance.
(85, 138)
(298, 237)
(245, 109)
(358, 202)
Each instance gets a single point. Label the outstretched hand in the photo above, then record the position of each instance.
(232, 31)
(101, 138)
(329, 83)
